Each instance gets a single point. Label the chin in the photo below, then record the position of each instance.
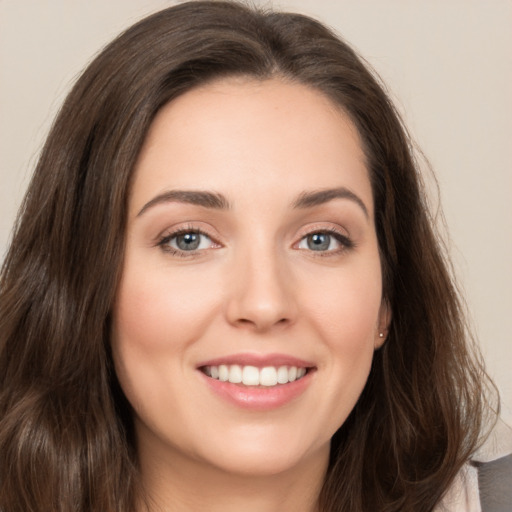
(261, 455)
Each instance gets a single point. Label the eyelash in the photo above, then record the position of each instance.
(346, 243)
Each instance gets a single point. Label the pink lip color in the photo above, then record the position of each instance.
(258, 398)
(258, 360)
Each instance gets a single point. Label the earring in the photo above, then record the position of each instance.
(381, 335)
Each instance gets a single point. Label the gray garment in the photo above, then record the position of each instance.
(495, 484)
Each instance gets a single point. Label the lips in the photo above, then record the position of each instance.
(258, 382)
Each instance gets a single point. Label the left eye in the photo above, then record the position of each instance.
(320, 241)
(189, 241)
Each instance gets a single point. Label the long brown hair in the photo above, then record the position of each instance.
(66, 439)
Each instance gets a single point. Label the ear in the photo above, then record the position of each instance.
(383, 324)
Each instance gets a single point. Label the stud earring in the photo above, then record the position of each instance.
(381, 335)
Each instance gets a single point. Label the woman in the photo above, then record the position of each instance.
(224, 290)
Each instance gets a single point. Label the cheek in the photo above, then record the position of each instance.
(157, 313)
(346, 316)
(155, 320)
(346, 306)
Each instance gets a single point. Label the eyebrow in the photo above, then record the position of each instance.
(218, 201)
(319, 197)
(195, 197)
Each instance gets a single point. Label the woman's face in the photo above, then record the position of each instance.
(251, 256)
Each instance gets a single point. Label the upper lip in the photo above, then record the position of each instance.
(258, 360)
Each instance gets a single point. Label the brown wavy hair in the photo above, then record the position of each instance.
(66, 436)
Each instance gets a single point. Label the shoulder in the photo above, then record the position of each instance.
(495, 484)
(485, 483)
(494, 465)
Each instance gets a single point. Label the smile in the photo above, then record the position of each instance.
(248, 375)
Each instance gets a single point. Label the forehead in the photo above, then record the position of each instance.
(240, 133)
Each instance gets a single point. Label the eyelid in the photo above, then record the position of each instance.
(322, 227)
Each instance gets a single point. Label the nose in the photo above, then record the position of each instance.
(261, 295)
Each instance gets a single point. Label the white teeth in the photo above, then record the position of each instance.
(268, 376)
(223, 373)
(252, 376)
(235, 374)
(282, 375)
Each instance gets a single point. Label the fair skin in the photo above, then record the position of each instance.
(238, 265)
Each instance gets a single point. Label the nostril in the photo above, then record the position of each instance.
(261, 324)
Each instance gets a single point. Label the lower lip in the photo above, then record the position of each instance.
(259, 398)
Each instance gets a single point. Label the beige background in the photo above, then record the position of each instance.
(448, 65)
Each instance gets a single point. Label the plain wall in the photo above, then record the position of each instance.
(448, 65)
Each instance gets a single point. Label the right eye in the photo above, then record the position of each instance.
(325, 242)
(188, 241)
(320, 242)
